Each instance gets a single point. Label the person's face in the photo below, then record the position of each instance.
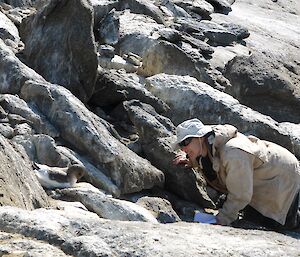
(195, 148)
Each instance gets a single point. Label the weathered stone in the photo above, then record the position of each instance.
(171, 35)
(213, 107)
(8, 30)
(85, 131)
(47, 152)
(17, 245)
(137, 33)
(161, 58)
(106, 206)
(13, 73)
(221, 6)
(55, 49)
(6, 130)
(18, 185)
(240, 31)
(79, 234)
(171, 10)
(201, 7)
(161, 208)
(108, 28)
(106, 51)
(113, 88)
(116, 63)
(102, 8)
(26, 3)
(13, 104)
(143, 7)
(269, 90)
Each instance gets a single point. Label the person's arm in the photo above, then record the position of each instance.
(239, 183)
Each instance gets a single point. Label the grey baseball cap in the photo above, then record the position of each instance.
(190, 128)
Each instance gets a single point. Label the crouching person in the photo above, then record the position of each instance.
(259, 175)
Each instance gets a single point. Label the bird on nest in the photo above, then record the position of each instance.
(56, 177)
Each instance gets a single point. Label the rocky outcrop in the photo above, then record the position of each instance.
(13, 73)
(106, 206)
(78, 233)
(18, 185)
(86, 133)
(277, 86)
(113, 87)
(67, 58)
(158, 63)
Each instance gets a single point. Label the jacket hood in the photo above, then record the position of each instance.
(223, 133)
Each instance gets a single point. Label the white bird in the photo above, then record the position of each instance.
(56, 177)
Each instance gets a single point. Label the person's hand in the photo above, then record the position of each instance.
(181, 159)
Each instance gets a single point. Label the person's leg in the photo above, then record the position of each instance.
(293, 216)
(292, 219)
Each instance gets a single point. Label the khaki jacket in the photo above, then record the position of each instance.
(256, 172)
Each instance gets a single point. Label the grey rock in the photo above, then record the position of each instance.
(161, 58)
(18, 184)
(266, 86)
(171, 35)
(77, 233)
(117, 63)
(18, 245)
(106, 51)
(143, 7)
(105, 206)
(6, 130)
(47, 152)
(201, 7)
(137, 33)
(108, 28)
(102, 8)
(214, 107)
(8, 30)
(113, 87)
(240, 31)
(67, 58)
(13, 73)
(170, 9)
(161, 208)
(86, 132)
(221, 6)
(26, 3)
(15, 105)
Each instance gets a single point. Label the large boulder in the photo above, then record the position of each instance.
(143, 7)
(266, 86)
(102, 8)
(8, 31)
(78, 233)
(201, 7)
(13, 104)
(189, 98)
(13, 73)
(60, 45)
(268, 80)
(113, 87)
(18, 185)
(106, 206)
(88, 133)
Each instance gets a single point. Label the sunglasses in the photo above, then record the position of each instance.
(185, 142)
